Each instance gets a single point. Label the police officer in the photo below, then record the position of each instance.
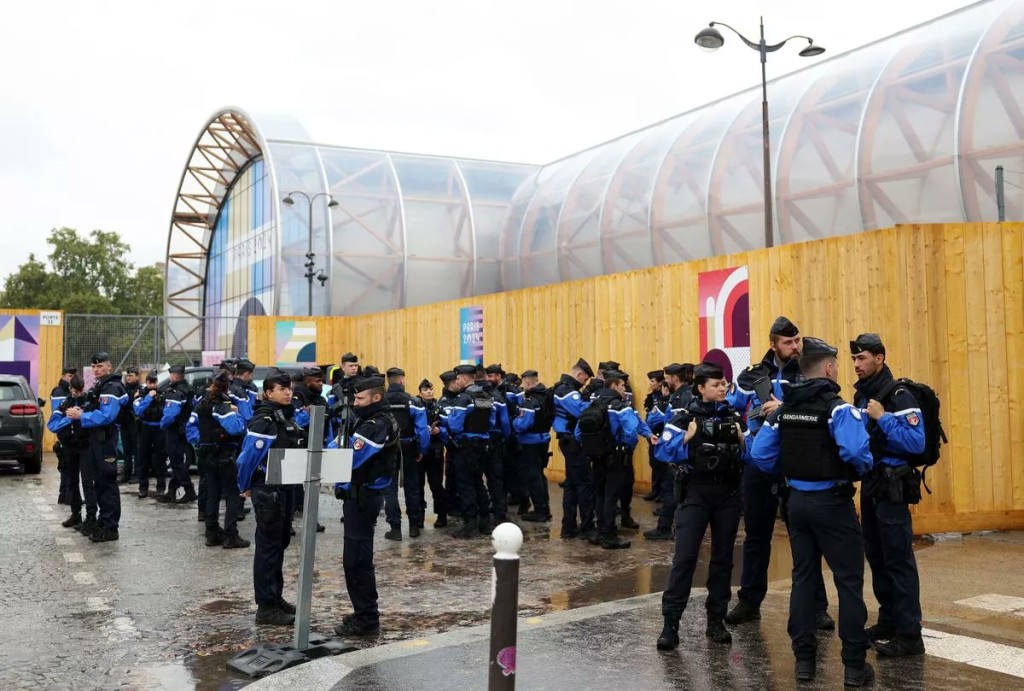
(821, 446)
(307, 391)
(99, 418)
(494, 466)
(68, 481)
(216, 431)
(73, 442)
(469, 420)
(607, 448)
(578, 496)
(177, 406)
(707, 440)
(432, 465)
(764, 495)
(533, 426)
(225, 369)
(243, 392)
(129, 427)
(679, 378)
(893, 418)
(375, 451)
(341, 397)
(654, 399)
(451, 485)
(513, 478)
(415, 442)
(148, 407)
(272, 426)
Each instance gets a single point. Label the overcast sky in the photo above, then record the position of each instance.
(101, 101)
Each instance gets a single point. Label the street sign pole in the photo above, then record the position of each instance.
(310, 513)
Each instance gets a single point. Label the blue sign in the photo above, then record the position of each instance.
(471, 335)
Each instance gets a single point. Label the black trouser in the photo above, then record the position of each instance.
(659, 472)
(578, 494)
(273, 507)
(357, 556)
(608, 474)
(514, 478)
(152, 457)
(130, 446)
(628, 479)
(432, 471)
(108, 496)
(494, 473)
(824, 524)
(87, 472)
(761, 496)
(410, 480)
(666, 513)
(70, 474)
(717, 505)
(468, 459)
(221, 473)
(888, 545)
(535, 460)
(451, 481)
(176, 455)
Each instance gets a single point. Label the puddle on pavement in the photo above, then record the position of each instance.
(224, 606)
(192, 673)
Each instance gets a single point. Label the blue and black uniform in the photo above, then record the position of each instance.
(99, 419)
(533, 427)
(432, 464)
(74, 444)
(415, 442)
(178, 399)
(821, 446)
(652, 407)
(68, 482)
(710, 467)
(675, 404)
(514, 480)
(494, 461)
(469, 421)
(375, 451)
(272, 426)
(451, 483)
(215, 429)
(129, 427)
(149, 410)
(578, 496)
(896, 438)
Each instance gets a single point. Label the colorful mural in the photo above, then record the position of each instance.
(724, 304)
(296, 343)
(471, 335)
(19, 348)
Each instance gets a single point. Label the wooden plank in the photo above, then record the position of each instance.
(1013, 305)
(965, 493)
(999, 468)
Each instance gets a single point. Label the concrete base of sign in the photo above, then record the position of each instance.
(260, 662)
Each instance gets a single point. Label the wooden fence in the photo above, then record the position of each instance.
(51, 357)
(948, 300)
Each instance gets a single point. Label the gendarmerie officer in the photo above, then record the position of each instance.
(707, 440)
(415, 443)
(679, 378)
(533, 426)
(307, 391)
(375, 452)
(578, 495)
(494, 465)
(272, 426)
(821, 446)
(129, 427)
(432, 465)
(243, 391)
(444, 404)
(339, 400)
(148, 407)
(654, 399)
(763, 495)
(469, 420)
(99, 418)
(177, 406)
(897, 436)
(513, 477)
(73, 443)
(68, 482)
(216, 431)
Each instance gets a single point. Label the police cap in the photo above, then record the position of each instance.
(869, 342)
(297, 377)
(176, 369)
(707, 370)
(222, 376)
(465, 369)
(68, 369)
(656, 374)
(314, 372)
(134, 369)
(243, 365)
(99, 357)
(783, 327)
(227, 366)
(610, 366)
(614, 375)
(494, 369)
(276, 377)
(675, 369)
(530, 373)
(816, 346)
(479, 371)
(447, 377)
(425, 384)
(349, 357)
(367, 383)
(585, 366)
(371, 371)
(396, 372)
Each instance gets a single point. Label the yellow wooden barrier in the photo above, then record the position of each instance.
(51, 356)
(947, 299)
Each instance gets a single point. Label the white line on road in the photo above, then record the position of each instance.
(85, 578)
(97, 604)
(994, 602)
(74, 557)
(64, 541)
(975, 652)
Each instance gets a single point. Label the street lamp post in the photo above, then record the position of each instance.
(310, 264)
(711, 39)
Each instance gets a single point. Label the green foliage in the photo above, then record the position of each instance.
(88, 274)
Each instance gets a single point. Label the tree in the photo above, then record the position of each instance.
(85, 275)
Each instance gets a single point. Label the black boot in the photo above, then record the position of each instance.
(824, 622)
(286, 607)
(717, 632)
(233, 541)
(143, 493)
(537, 516)
(628, 522)
(168, 496)
(900, 646)
(75, 519)
(350, 627)
(613, 542)
(859, 676)
(879, 633)
(188, 497)
(658, 534)
(102, 534)
(214, 538)
(442, 521)
(273, 615)
(466, 530)
(805, 670)
(87, 526)
(394, 534)
(742, 613)
(414, 531)
(669, 638)
(650, 496)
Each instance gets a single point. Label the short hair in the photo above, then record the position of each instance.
(687, 375)
(77, 383)
(276, 378)
(811, 363)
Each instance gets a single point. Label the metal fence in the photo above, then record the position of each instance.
(151, 341)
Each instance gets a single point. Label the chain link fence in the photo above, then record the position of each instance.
(151, 341)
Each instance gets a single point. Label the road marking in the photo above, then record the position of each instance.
(994, 602)
(84, 578)
(65, 541)
(97, 604)
(74, 557)
(975, 652)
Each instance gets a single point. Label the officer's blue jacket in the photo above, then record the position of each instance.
(454, 418)
(244, 398)
(141, 404)
(666, 409)
(175, 402)
(672, 449)
(782, 379)
(501, 423)
(569, 404)
(229, 420)
(524, 422)
(57, 396)
(419, 422)
(444, 406)
(111, 397)
(260, 435)
(847, 428)
(368, 439)
(901, 424)
(623, 420)
(58, 420)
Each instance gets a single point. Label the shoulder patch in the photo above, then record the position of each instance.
(914, 419)
(260, 443)
(856, 413)
(358, 445)
(665, 436)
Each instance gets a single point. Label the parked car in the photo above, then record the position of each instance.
(21, 425)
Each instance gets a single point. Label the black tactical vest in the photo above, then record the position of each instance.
(210, 431)
(289, 434)
(72, 436)
(807, 450)
(155, 410)
(384, 462)
(398, 404)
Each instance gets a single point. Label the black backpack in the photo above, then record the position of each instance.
(544, 411)
(596, 430)
(478, 418)
(934, 434)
